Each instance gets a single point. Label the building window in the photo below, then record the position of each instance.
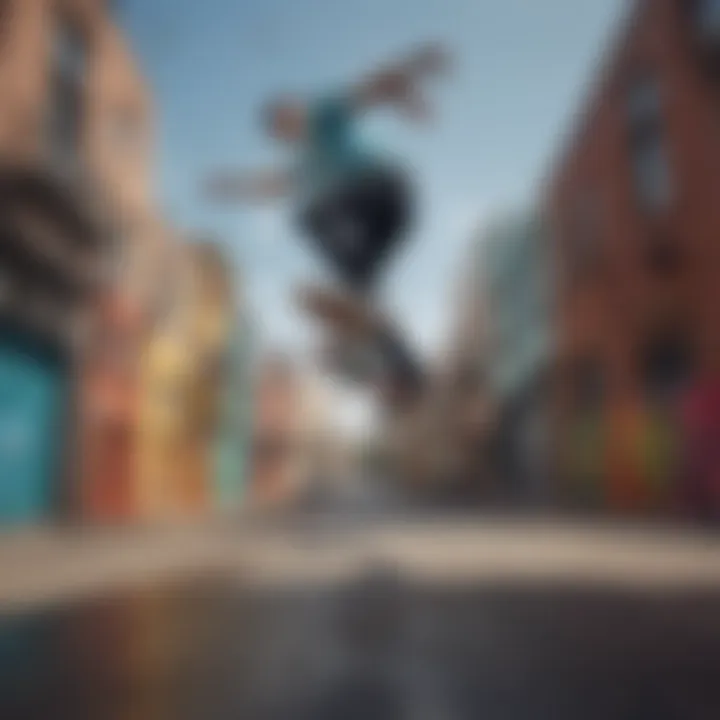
(650, 168)
(662, 256)
(666, 368)
(67, 93)
(584, 232)
(644, 103)
(651, 172)
(707, 18)
(5, 10)
(588, 384)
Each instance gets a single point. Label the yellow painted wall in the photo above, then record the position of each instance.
(179, 403)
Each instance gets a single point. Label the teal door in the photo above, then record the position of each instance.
(31, 393)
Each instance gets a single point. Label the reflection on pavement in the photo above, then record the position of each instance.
(378, 645)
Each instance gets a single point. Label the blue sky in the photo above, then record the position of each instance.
(521, 67)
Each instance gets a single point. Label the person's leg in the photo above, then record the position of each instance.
(382, 204)
(339, 230)
(357, 225)
(355, 229)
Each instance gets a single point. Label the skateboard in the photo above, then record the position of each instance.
(342, 311)
(364, 345)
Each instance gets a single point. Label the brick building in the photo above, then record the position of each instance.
(633, 202)
(75, 160)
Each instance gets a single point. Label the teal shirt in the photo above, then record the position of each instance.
(333, 151)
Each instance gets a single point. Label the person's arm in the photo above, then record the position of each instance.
(398, 83)
(258, 186)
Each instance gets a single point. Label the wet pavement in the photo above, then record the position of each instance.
(377, 642)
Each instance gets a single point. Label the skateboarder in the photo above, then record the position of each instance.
(354, 205)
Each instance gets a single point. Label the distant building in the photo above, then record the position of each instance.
(508, 350)
(317, 437)
(633, 202)
(233, 441)
(277, 419)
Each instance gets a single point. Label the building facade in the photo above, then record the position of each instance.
(165, 471)
(195, 419)
(110, 412)
(633, 206)
(216, 391)
(114, 332)
(74, 168)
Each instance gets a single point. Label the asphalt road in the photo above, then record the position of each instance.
(373, 637)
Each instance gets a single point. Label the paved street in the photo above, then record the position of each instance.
(406, 619)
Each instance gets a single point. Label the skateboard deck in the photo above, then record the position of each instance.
(339, 310)
(364, 346)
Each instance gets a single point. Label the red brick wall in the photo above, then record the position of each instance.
(612, 309)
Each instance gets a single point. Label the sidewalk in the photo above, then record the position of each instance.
(51, 565)
(55, 565)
